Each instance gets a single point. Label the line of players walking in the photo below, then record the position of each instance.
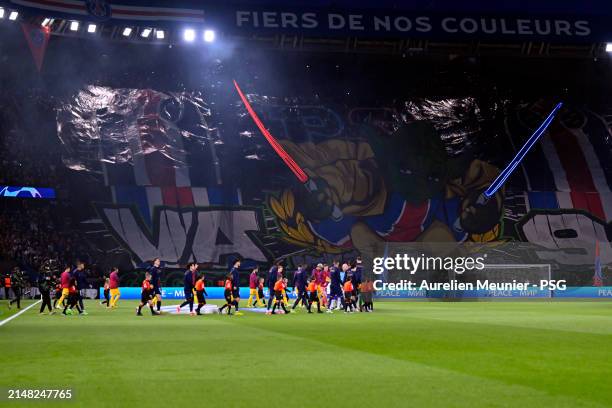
(331, 287)
(69, 290)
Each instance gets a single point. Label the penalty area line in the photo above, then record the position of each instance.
(8, 319)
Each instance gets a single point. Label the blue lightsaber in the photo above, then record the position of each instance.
(503, 176)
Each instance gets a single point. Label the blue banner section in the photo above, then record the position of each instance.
(570, 292)
(26, 192)
(177, 293)
(467, 294)
(585, 292)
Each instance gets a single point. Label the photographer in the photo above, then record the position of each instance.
(17, 283)
(46, 283)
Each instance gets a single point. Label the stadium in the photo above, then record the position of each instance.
(346, 203)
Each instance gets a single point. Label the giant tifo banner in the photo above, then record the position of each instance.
(185, 179)
(569, 21)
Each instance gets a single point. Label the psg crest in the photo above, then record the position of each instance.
(100, 9)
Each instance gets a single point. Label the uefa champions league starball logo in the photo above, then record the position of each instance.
(27, 192)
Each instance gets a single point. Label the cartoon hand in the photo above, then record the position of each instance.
(316, 200)
(343, 179)
(478, 214)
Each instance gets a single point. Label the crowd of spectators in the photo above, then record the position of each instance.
(33, 231)
(28, 154)
(31, 235)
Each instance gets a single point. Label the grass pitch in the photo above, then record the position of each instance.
(421, 354)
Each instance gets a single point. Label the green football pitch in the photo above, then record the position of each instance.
(419, 354)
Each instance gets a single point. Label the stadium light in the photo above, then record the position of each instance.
(74, 25)
(146, 32)
(47, 21)
(189, 35)
(160, 34)
(209, 35)
(91, 28)
(1, 12)
(13, 16)
(127, 31)
(609, 47)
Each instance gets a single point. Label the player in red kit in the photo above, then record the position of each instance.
(65, 278)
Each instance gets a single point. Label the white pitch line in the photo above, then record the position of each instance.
(8, 319)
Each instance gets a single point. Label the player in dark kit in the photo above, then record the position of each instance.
(147, 292)
(335, 287)
(227, 293)
(236, 287)
(189, 283)
(155, 271)
(272, 278)
(299, 283)
(200, 288)
(106, 288)
(81, 280)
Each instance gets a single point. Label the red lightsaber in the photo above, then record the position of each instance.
(293, 166)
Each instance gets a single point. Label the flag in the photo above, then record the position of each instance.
(37, 38)
(597, 277)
